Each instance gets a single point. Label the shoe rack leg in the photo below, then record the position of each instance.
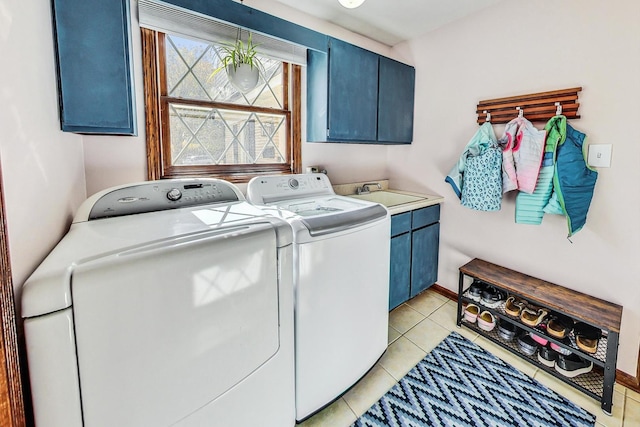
(459, 315)
(609, 373)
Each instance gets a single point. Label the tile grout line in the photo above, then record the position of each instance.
(351, 409)
(433, 311)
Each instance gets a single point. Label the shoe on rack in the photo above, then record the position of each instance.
(492, 297)
(547, 356)
(533, 316)
(527, 345)
(514, 306)
(559, 325)
(587, 337)
(572, 365)
(487, 321)
(475, 290)
(562, 350)
(471, 313)
(540, 336)
(507, 330)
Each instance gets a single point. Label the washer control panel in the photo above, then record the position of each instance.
(159, 195)
(267, 189)
(174, 194)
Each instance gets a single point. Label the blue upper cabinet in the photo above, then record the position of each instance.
(354, 95)
(353, 92)
(95, 78)
(396, 93)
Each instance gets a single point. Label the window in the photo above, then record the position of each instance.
(198, 124)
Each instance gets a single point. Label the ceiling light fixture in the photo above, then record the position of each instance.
(351, 4)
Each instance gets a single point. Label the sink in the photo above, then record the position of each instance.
(388, 198)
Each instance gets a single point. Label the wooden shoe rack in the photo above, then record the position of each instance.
(581, 307)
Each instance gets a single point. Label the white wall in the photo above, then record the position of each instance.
(524, 47)
(42, 167)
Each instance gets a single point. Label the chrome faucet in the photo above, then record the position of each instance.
(365, 187)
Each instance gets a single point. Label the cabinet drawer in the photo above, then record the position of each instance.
(400, 223)
(425, 216)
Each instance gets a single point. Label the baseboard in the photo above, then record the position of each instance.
(629, 381)
(444, 292)
(622, 378)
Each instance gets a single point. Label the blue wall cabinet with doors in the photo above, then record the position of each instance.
(396, 94)
(415, 238)
(95, 76)
(353, 92)
(354, 95)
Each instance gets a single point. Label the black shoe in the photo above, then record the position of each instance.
(492, 297)
(507, 331)
(527, 345)
(475, 290)
(547, 356)
(572, 365)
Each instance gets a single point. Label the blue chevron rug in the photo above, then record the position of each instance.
(459, 384)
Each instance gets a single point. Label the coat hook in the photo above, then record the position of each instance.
(558, 108)
(488, 119)
(520, 112)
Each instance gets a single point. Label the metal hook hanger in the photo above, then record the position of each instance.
(558, 108)
(488, 119)
(520, 112)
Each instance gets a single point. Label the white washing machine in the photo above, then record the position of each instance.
(168, 303)
(341, 281)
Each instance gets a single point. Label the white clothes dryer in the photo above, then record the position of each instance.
(341, 281)
(168, 303)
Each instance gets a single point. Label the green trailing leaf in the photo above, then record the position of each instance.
(240, 53)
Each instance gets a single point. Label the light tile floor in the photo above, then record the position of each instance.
(415, 328)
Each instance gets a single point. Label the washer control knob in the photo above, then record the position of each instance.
(293, 183)
(174, 195)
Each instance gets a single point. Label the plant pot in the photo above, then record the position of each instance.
(244, 77)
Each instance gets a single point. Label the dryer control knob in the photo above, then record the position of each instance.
(174, 195)
(293, 183)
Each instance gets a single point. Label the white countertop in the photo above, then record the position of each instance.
(398, 206)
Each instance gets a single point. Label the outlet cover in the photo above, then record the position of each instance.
(599, 155)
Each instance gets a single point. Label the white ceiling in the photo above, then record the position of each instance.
(391, 21)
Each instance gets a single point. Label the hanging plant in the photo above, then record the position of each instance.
(241, 63)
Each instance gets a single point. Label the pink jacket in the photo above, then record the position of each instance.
(523, 147)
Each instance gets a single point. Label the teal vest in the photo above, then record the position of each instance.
(574, 181)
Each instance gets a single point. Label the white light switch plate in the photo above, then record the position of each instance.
(599, 155)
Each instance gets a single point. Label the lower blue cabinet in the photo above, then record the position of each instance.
(415, 239)
(424, 258)
(400, 270)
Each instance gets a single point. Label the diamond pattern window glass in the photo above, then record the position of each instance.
(202, 136)
(206, 127)
(189, 68)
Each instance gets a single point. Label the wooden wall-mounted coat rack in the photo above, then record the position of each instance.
(536, 107)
